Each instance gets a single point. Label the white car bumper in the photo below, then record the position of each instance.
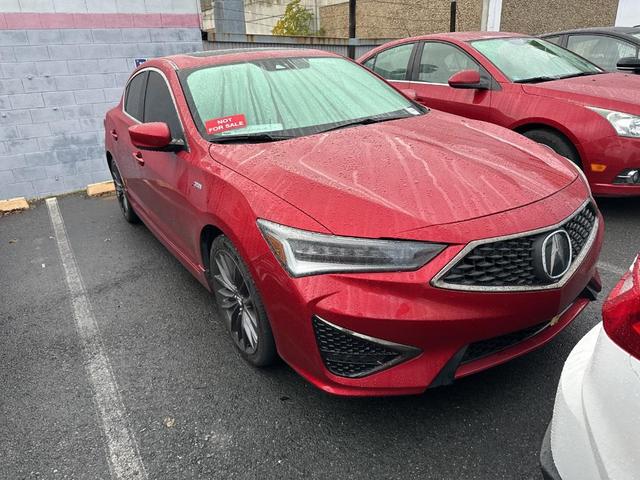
(595, 430)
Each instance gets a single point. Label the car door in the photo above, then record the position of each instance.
(164, 174)
(132, 114)
(435, 62)
(603, 50)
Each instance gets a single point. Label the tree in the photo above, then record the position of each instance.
(295, 21)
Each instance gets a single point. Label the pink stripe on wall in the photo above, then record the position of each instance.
(31, 21)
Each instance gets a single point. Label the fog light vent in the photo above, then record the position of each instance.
(350, 354)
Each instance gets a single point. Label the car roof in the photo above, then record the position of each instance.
(460, 37)
(618, 31)
(235, 55)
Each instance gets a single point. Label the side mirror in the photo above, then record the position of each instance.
(153, 136)
(629, 65)
(469, 79)
(410, 93)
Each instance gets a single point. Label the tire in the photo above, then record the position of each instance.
(123, 200)
(239, 304)
(555, 141)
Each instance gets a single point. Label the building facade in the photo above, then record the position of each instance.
(397, 18)
(63, 64)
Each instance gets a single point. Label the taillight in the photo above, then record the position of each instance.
(621, 312)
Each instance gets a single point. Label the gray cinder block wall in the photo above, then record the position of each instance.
(63, 64)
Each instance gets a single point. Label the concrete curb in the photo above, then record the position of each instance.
(13, 205)
(102, 188)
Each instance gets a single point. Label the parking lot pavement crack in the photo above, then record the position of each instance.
(124, 457)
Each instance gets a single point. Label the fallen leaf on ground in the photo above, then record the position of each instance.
(169, 422)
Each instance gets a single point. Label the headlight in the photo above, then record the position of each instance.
(307, 253)
(625, 124)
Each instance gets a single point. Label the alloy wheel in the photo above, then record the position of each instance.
(236, 302)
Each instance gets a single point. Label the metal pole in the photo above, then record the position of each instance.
(452, 18)
(352, 29)
(485, 15)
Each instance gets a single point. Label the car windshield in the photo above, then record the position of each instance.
(532, 60)
(280, 98)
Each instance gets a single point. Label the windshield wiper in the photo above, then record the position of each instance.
(537, 79)
(581, 74)
(250, 138)
(364, 121)
(550, 79)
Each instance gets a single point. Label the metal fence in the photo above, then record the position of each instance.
(336, 45)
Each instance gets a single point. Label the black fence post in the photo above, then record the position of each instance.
(452, 18)
(351, 49)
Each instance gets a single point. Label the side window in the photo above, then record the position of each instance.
(439, 61)
(158, 105)
(602, 50)
(134, 96)
(370, 63)
(393, 63)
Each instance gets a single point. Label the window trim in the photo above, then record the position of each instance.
(415, 68)
(171, 94)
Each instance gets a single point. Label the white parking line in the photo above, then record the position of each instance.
(124, 459)
(611, 268)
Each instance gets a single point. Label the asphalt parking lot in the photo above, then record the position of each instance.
(194, 409)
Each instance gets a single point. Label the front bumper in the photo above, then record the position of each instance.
(618, 154)
(403, 308)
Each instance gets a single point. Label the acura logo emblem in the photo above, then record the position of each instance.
(553, 255)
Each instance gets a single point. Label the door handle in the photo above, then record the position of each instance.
(139, 158)
(114, 134)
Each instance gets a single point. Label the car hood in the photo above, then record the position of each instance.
(383, 179)
(614, 91)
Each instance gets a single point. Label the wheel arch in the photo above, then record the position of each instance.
(552, 127)
(208, 234)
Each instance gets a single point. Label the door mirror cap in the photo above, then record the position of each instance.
(629, 64)
(410, 93)
(154, 136)
(468, 79)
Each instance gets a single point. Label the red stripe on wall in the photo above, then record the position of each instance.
(31, 21)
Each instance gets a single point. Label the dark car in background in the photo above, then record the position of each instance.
(604, 46)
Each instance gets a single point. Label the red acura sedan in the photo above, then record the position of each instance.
(533, 87)
(377, 246)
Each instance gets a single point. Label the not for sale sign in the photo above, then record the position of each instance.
(223, 124)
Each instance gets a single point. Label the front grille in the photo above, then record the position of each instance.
(484, 348)
(510, 262)
(348, 355)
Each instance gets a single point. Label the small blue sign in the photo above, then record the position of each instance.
(139, 61)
